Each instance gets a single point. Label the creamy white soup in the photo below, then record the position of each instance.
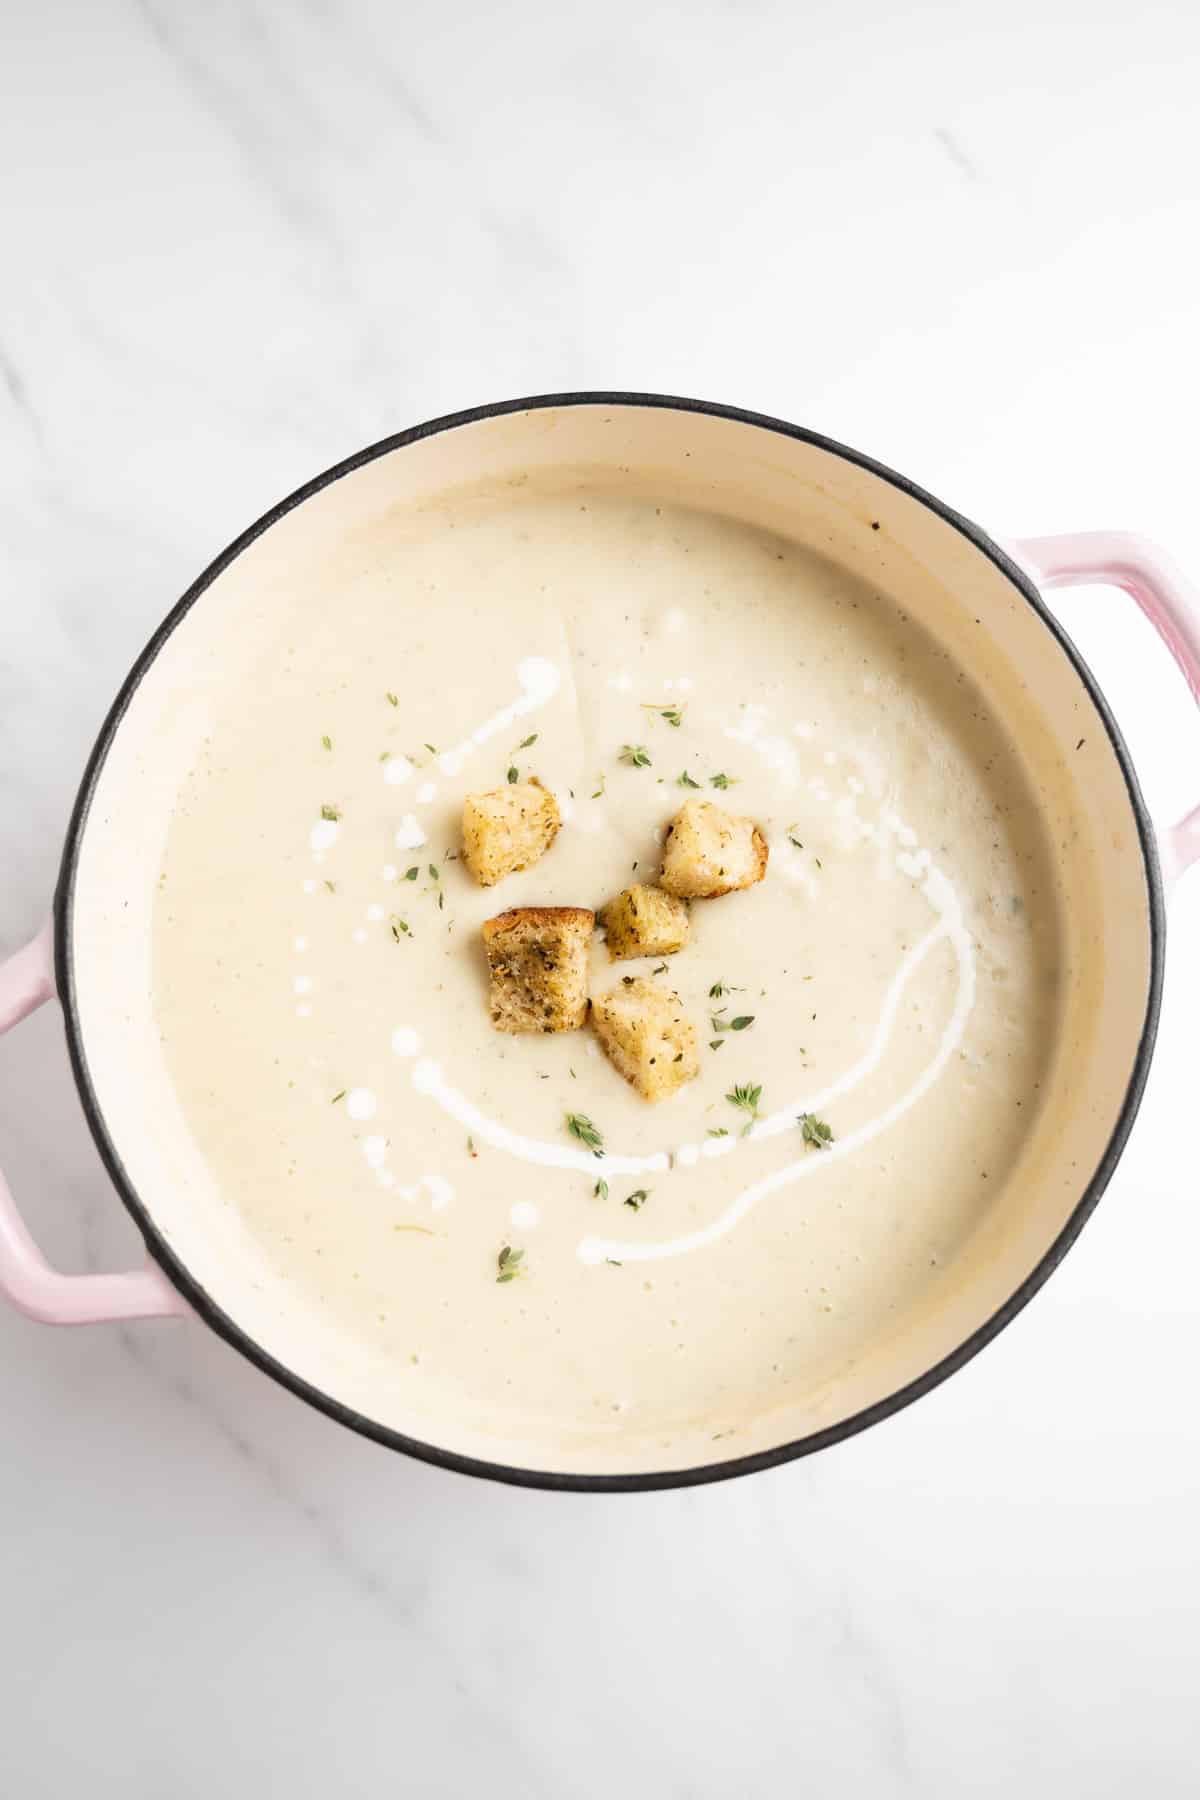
(322, 989)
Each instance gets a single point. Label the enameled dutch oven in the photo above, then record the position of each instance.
(959, 584)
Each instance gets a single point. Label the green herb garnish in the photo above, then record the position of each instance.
(746, 1097)
(638, 1199)
(392, 699)
(513, 775)
(685, 780)
(331, 812)
(741, 1024)
(672, 714)
(411, 874)
(507, 1264)
(338, 1097)
(636, 755)
(600, 789)
(716, 1043)
(525, 742)
(327, 743)
(718, 1131)
(400, 927)
(600, 1191)
(719, 988)
(814, 1131)
(331, 885)
(432, 749)
(581, 1127)
(722, 781)
(659, 969)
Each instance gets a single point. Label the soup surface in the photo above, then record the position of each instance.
(322, 987)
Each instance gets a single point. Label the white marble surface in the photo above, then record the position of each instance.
(239, 241)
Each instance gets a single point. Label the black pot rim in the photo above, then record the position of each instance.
(207, 1309)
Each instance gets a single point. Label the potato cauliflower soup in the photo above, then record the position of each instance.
(565, 1149)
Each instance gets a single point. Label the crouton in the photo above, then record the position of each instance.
(507, 829)
(709, 852)
(643, 921)
(538, 958)
(646, 1036)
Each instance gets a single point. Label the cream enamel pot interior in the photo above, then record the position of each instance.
(981, 605)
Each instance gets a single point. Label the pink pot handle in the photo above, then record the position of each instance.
(26, 1278)
(1122, 559)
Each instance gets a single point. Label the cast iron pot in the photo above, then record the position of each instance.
(980, 601)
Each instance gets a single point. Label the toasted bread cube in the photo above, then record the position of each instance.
(644, 921)
(507, 829)
(538, 957)
(709, 852)
(646, 1036)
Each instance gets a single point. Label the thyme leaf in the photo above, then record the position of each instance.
(581, 1127)
(746, 1096)
(815, 1132)
(508, 1264)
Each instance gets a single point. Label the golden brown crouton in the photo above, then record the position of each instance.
(508, 829)
(644, 921)
(709, 852)
(646, 1036)
(538, 957)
